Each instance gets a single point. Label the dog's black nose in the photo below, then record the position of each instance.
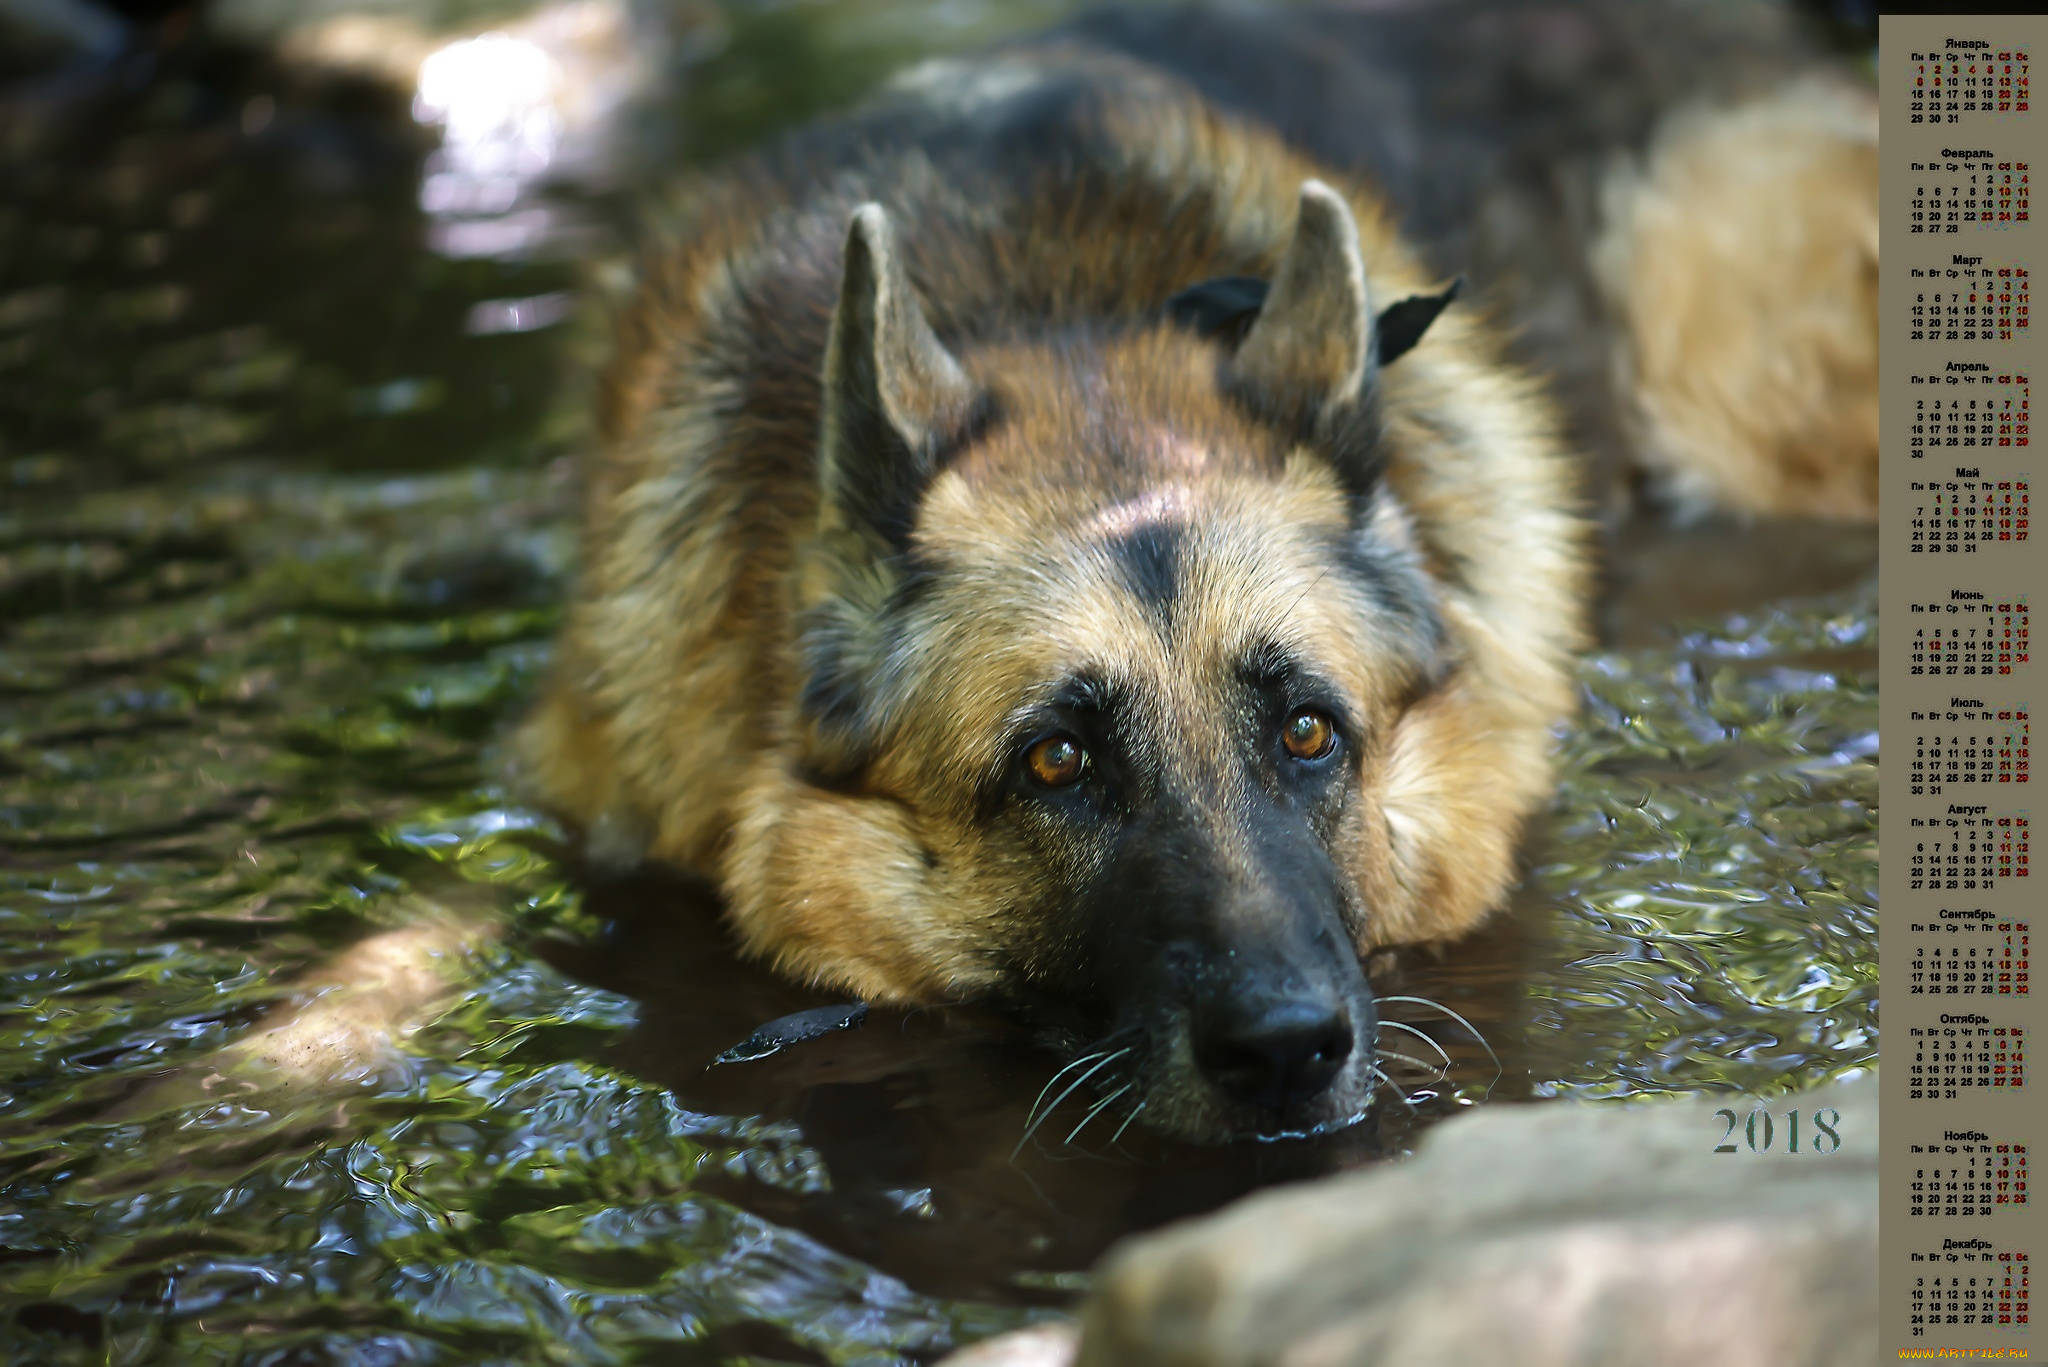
(1276, 1056)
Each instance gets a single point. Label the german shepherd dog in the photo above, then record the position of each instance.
(1054, 541)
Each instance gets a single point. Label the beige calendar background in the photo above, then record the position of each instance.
(1961, 569)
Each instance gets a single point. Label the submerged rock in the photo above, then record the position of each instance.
(1559, 1235)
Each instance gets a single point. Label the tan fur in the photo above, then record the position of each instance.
(674, 726)
(1739, 262)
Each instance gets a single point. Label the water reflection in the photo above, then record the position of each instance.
(917, 1116)
(520, 111)
(537, 311)
(493, 99)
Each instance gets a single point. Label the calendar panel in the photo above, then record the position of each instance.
(1972, 412)
(1968, 300)
(1960, 568)
(1968, 952)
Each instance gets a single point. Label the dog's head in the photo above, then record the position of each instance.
(1106, 637)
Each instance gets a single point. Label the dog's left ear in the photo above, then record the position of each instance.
(1311, 348)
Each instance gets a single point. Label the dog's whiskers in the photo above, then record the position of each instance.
(1423, 1065)
(1098, 1109)
(1403, 1025)
(1071, 1088)
(1379, 1073)
(1127, 1123)
(1053, 1081)
(1499, 1068)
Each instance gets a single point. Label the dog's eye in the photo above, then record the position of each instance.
(1308, 734)
(1056, 761)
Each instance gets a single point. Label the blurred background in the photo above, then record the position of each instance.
(299, 308)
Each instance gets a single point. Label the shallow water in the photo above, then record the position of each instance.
(280, 548)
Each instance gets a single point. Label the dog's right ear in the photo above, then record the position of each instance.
(893, 395)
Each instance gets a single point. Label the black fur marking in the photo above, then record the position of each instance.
(1285, 684)
(1149, 557)
(892, 479)
(1399, 589)
(1088, 707)
(1086, 693)
(1227, 306)
(1223, 307)
(1401, 325)
(836, 694)
(981, 419)
(1351, 438)
(833, 695)
(845, 780)
(1268, 665)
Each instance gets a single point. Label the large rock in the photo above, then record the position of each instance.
(1541, 1236)
(1534, 1235)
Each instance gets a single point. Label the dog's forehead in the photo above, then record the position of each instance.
(1105, 407)
(1170, 505)
(1169, 450)
(1111, 461)
(1193, 536)
(1168, 590)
